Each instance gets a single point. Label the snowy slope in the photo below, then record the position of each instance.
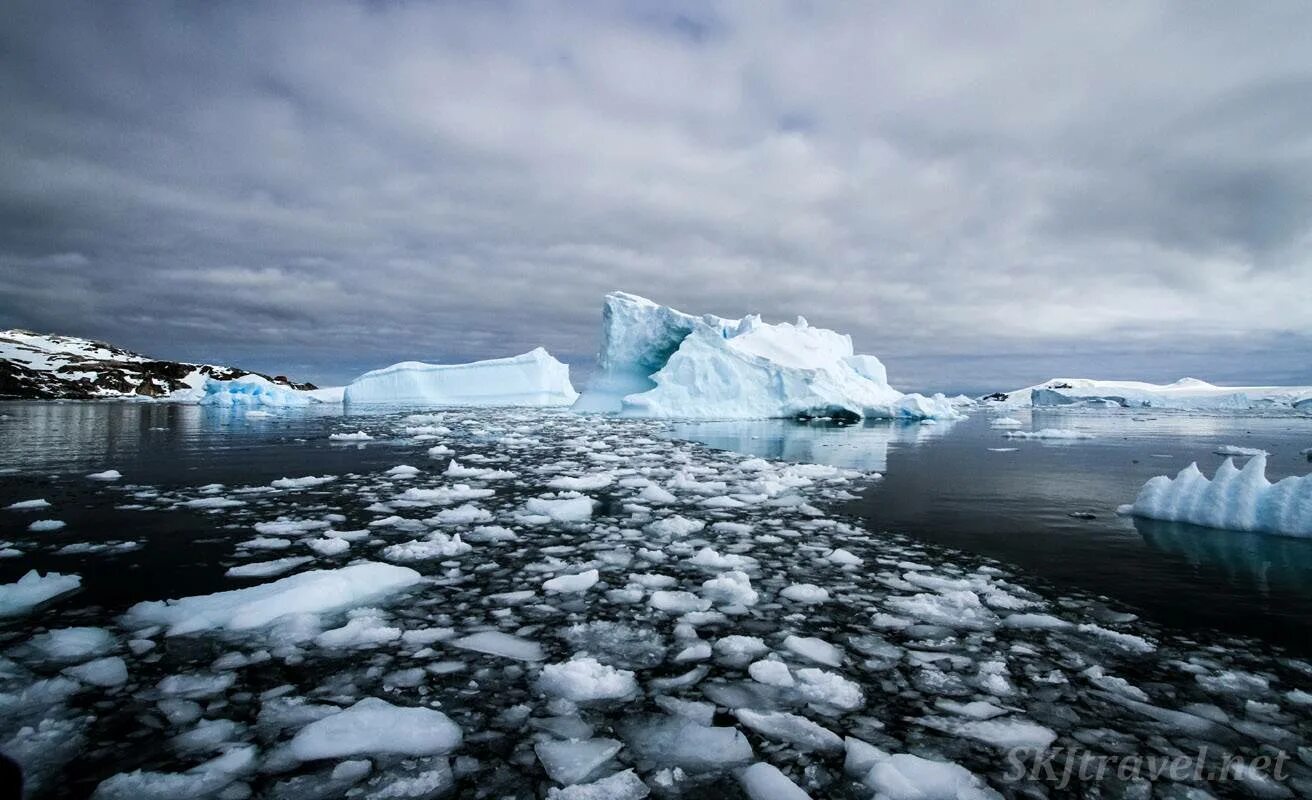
(658, 362)
(532, 379)
(40, 366)
(1186, 393)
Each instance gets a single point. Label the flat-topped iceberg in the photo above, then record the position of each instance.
(532, 379)
(1184, 394)
(1234, 499)
(658, 362)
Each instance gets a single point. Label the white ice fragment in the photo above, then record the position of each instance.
(569, 509)
(107, 475)
(571, 762)
(795, 730)
(315, 591)
(534, 378)
(45, 525)
(500, 644)
(27, 505)
(807, 593)
(817, 650)
(376, 727)
(572, 584)
(264, 569)
(33, 589)
(762, 781)
(104, 672)
(303, 483)
(1234, 499)
(583, 679)
(621, 786)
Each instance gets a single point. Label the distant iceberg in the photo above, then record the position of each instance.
(1184, 394)
(532, 379)
(1234, 499)
(659, 362)
(247, 391)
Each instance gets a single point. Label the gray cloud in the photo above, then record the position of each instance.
(983, 197)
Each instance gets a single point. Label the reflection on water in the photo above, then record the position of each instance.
(1266, 563)
(862, 445)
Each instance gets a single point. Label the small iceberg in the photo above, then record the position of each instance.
(1234, 499)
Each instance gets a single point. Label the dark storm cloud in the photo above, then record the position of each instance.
(983, 197)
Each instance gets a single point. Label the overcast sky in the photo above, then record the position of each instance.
(984, 195)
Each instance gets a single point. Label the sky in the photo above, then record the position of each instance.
(984, 195)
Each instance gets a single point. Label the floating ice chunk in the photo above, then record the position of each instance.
(73, 644)
(656, 495)
(1234, 499)
(466, 514)
(45, 525)
(455, 470)
(570, 509)
(584, 678)
(1006, 422)
(586, 483)
(107, 475)
(206, 780)
(265, 543)
(1035, 621)
(376, 727)
(27, 505)
(572, 584)
(709, 558)
(677, 602)
(1126, 641)
(731, 588)
(807, 593)
(1239, 452)
(620, 786)
(739, 649)
(698, 651)
(33, 589)
(534, 378)
(908, 777)
(289, 527)
(329, 545)
(363, 630)
(264, 569)
(436, 545)
(665, 741)
(491, 533)
(762, 781)
(844, 558)
(828, 688)
(316, 591)
(214, 502)
(303, 483)
(771, 673)
(358, 436)
(104, 672)
(1048, 433)
(817, 650)
(675, 527)
(440, 450)
(797, 731)
(194, 686)
(953, 609)
(500, 644)
(575, 761)
(1005, 734)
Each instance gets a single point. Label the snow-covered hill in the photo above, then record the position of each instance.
(1186, 394)
(47, 367)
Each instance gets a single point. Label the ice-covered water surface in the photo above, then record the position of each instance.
(527, 604)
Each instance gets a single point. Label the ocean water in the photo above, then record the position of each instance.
(1028, 502)
(960, 611)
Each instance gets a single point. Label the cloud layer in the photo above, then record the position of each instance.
(983, 196)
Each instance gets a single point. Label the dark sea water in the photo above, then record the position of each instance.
(959, 575)
(942, 483)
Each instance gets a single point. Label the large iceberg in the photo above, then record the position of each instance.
(1234, 499)
(658, 362)
(1185, 394)
(532, 379)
